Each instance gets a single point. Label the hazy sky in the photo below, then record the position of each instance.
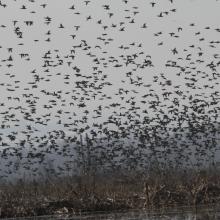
(67, 64)
(201, 13)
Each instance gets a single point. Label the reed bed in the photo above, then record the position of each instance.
(122, 190)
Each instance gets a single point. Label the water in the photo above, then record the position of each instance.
(180, 214)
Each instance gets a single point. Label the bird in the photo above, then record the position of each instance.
(114, 85)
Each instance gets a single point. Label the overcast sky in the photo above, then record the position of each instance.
(185, 20)
(67, 64)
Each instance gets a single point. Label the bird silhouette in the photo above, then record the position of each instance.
(107, 86)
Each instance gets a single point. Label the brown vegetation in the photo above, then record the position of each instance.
(74, 195)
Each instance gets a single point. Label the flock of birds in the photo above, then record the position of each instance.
(77, 94)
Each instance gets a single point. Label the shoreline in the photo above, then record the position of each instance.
(113, 193)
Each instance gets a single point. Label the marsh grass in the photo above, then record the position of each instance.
(122, 190)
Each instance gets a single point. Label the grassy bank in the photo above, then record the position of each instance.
(115, 191)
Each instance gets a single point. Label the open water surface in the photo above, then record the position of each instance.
(203, 213)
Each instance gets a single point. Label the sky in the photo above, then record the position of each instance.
(104, 42)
